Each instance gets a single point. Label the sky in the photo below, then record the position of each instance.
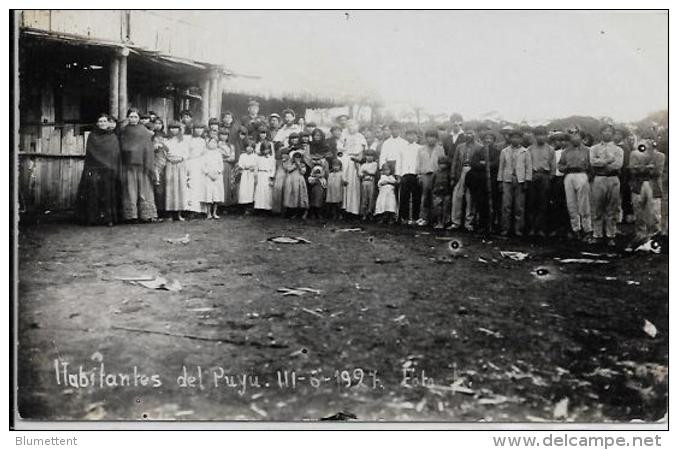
(518, 65)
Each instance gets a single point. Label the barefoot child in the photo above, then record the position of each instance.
(386, 206)
(335, 190)
(247, 165)
(176, 177)
(317, 182)
(368, 174)
(263, 193)
(295, 194)
(213, 168)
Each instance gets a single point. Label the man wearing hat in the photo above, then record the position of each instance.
(515, 171)
(559, 220)
(646, 167)
(427, 166)
(482, 181)
(626, 208)
(462, 203)
(273, 125)
(575, 164)
(251, 119)
(606, 162)
(288, 127)
(543, 170)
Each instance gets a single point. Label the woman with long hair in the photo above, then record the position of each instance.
(137, 154)
(97, 197)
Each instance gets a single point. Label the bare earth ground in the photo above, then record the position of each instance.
(514, 346)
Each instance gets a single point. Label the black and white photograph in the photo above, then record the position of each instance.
(333, 218)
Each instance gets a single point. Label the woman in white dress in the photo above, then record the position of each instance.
(176, 176)
(353, 146)
(196, 177)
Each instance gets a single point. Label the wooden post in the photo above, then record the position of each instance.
(114, 85)
(122, 84)
(214, 97)
(205, 99)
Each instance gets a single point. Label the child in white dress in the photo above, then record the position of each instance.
(213, 168)
(386, 200)
(195, 176)
(247, 166)
(263, 193)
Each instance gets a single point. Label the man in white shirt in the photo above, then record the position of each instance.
(288, 128)
(406, 172)
(392, 148)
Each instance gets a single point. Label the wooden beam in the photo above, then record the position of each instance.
(214, 94)
(114, 81)
(122, 84)
(205, 84)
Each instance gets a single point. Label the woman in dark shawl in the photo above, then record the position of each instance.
(97, 197)
(137, 154)
(234, 137)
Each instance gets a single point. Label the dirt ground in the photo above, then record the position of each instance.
(479, 336)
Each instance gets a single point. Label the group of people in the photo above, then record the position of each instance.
(513, 181)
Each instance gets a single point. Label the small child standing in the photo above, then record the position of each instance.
(247, 165)
(263, 193)
(335, 190)
(367, 174)
(442, 193)
(317, 182)
(159, 162)
(213, 168)
(295, 193)
(386, 201)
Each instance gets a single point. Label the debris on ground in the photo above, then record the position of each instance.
(159, 283)
(341, 415)
(582, 261)
(611, 279)
(298, 291)
(182, 240)
(560, 410)
(136, 278)
(310, 311)
(599, 255)
(650, 329)
(399, 318)
(289, 240)
(348, 230)
(481, 260)
(386, 261)
(490, 332)
(516, 256)
(633, 283)
(258, 410)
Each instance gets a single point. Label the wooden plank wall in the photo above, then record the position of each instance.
(49, 178)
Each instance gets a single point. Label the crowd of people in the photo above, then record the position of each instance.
(512, 181)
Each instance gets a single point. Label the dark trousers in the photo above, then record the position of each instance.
(410, 197)
(625, 191)
(559, 219)
(538, 203)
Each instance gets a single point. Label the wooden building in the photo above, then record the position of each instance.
(75, 64)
